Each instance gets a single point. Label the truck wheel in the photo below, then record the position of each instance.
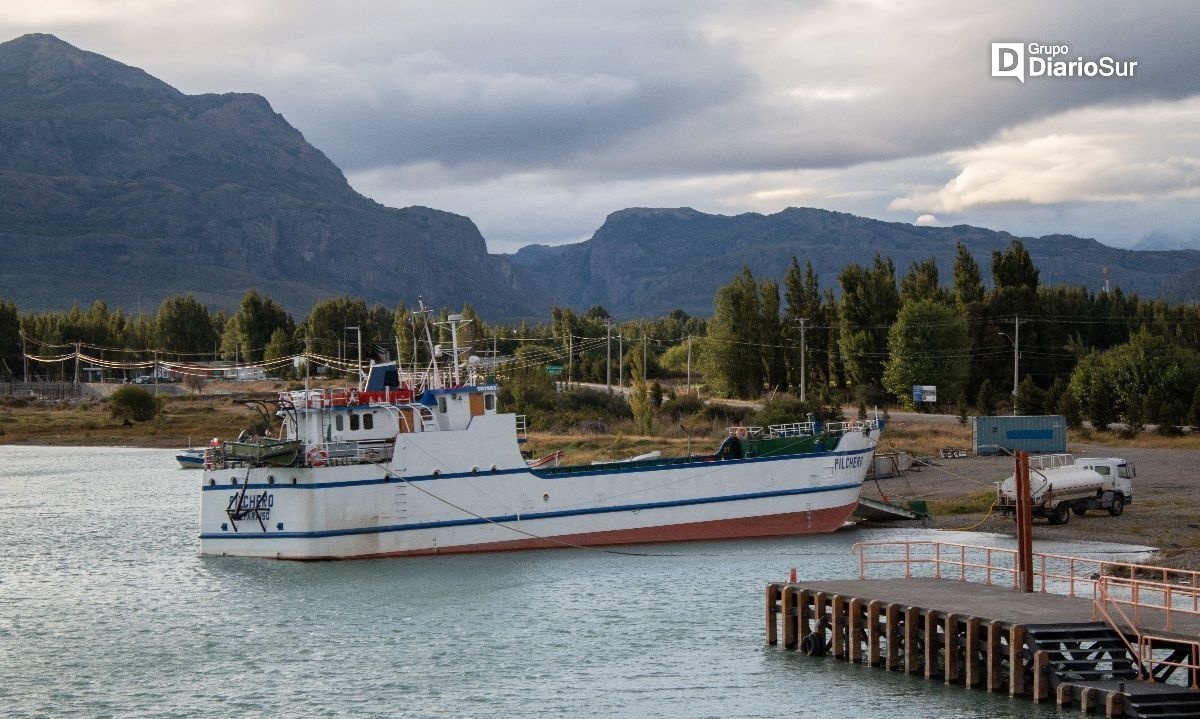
(1117, 506)
(1061, 514)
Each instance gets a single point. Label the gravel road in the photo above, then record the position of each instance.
(1165, 512)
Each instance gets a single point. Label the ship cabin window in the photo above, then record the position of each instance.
(369, 421)
(353, 422)
(442, 404)
(489, 402)
(337, 422)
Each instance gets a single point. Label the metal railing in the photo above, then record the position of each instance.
(1140, 587)
(1147, 639)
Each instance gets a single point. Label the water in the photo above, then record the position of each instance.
(106, 609)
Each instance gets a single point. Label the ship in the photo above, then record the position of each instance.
(406, 463)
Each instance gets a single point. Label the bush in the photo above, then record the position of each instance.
(682, 406)
(726, 414)
(133, 403)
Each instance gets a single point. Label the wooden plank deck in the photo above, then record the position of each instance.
(994, 602)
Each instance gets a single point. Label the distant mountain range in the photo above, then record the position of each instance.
(648, 261)
(116, 186)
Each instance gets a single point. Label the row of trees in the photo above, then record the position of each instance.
(260, 330)
(1107, 356)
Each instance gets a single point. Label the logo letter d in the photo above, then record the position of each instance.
(1008, 60)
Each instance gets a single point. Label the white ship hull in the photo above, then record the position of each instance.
(471, 491)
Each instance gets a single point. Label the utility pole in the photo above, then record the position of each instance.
(608, 356)
(621, 359)
(1016, 359)
(358, 369)
(689, 374)
(1016, 343)
(76, 362)
(803, 355)
(570, 356)
(155, 371)
(25, 357)
(645, 371)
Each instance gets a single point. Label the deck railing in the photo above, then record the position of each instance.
(1150, 592)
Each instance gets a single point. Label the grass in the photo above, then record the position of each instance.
(924, 439)
(90, 422)
(973, 503)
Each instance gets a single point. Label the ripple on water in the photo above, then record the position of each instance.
(107, 609)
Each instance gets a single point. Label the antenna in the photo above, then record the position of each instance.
(1106, 280)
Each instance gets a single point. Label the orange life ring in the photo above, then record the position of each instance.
(742, 433)
(316, 457)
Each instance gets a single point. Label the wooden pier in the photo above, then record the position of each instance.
(983, 634)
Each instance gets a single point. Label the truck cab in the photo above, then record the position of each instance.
(1117, 473)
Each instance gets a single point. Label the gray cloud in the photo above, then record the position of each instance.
(538, 118)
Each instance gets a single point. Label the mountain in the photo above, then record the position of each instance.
(116, 186)
(645, 262)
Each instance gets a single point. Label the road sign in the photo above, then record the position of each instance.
(924, 393)
(554, 369)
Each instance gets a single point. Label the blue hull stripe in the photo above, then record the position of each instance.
(595, 470)
(528, 517)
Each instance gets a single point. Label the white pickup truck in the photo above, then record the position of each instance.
(1059, 484)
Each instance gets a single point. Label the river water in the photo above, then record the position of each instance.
(107, 609)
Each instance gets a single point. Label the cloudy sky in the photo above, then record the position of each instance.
(537, 119)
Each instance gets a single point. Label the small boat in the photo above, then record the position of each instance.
(191, 458)
(411, 464)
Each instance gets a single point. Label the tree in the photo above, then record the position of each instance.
(731, 358)
(10, 339)
(1030, 398)
(1100, 411)
(1194, 414)
(277, 349)
(921, 283)
(985, 401)
(928, 346)
(184, 325)
(961, 405)
(968, 282)
(1014, 267)
(1069, 409)
(770, 336)
(802, 293)
(868, 308)
(249, 330)
(639, 402)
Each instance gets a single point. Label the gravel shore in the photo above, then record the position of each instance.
(1165, 512)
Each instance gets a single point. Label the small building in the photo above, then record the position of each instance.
(1039, 434)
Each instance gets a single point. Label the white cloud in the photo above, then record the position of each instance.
(926, 221)
(1100, 154)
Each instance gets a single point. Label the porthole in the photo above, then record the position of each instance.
(233, 480)
(293, 480)
(212, 482)
(270, 479)
(545, 497)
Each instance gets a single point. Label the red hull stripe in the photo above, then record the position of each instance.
(775, 525)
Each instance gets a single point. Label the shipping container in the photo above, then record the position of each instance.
(1039, 434)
